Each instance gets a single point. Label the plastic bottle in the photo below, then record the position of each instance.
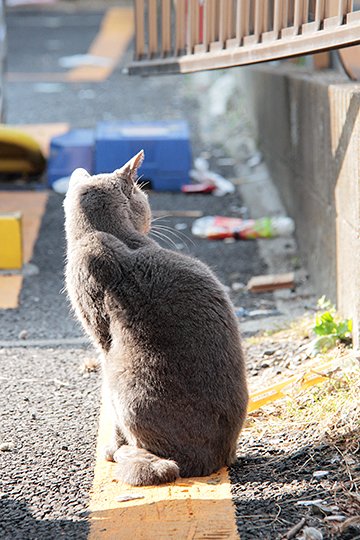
(219, 227)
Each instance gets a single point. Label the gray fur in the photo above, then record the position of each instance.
(172, 363)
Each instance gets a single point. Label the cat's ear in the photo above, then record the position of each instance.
(79, 175)
(130, 168)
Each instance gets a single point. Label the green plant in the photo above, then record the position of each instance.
(330, 330)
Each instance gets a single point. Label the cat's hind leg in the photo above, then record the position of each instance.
(118, 439)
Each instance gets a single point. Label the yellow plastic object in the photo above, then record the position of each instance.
(11, 253)
(314, 375)
(19, 152)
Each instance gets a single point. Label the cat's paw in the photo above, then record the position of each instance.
(109, 452)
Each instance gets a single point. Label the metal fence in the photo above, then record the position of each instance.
(193, 35)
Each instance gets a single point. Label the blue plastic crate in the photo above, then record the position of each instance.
(70, 151)
(166, 145)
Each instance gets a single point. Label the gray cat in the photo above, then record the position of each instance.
(172, 363)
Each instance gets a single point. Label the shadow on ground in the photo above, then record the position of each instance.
(267, 484)
(18, 523)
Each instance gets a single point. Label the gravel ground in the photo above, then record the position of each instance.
(49, 412)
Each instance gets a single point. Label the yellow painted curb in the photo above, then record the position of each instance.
(116, 31)
(187, 509)
(10, 241)
(32, 207)
(314, 375)
(112, 40)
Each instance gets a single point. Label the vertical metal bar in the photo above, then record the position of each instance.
(285, 14)
(246, 8)
(180, 26)
(331, 8)
(206, 25)
(298, 13)
(165, 27)
(265, 16)
(153, 34)
(139, 29)
(319, 12)
(212, 21)
(223, 20)
(258, 18)
(278, 16)
(193, 25)
(230, 20)
(305, 14)
(342, 8)
(242, 20)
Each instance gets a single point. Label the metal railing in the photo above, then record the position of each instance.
(193, 35)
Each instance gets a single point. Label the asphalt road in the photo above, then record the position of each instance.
(49, 408)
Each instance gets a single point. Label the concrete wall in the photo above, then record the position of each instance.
(308, 128)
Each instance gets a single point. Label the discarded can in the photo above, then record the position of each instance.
(220, 227)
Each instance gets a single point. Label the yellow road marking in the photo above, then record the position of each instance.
(187, 509)
(32, 207)
(112, 40)
(116, 31)
(10, 287)
(313, 375)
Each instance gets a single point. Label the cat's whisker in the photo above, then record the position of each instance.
(163, 236)
(143, 184)
(171, 229)
(164, 230)
(158, 237)
(137, 180)
(181, 236)
(159, 217)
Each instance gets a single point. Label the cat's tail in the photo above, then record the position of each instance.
(138, 467)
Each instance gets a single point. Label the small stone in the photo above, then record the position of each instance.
(7, 447)
(310, 533)
(180, 226)
(269, 352)
(320, 474)
(24, 334)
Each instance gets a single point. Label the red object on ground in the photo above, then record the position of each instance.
(198, 188)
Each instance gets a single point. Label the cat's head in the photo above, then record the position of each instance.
(106, 198)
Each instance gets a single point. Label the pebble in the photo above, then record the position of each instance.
(320, 474)
(269, 352)
(24, 334)
(310, 533)
(7, 447)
